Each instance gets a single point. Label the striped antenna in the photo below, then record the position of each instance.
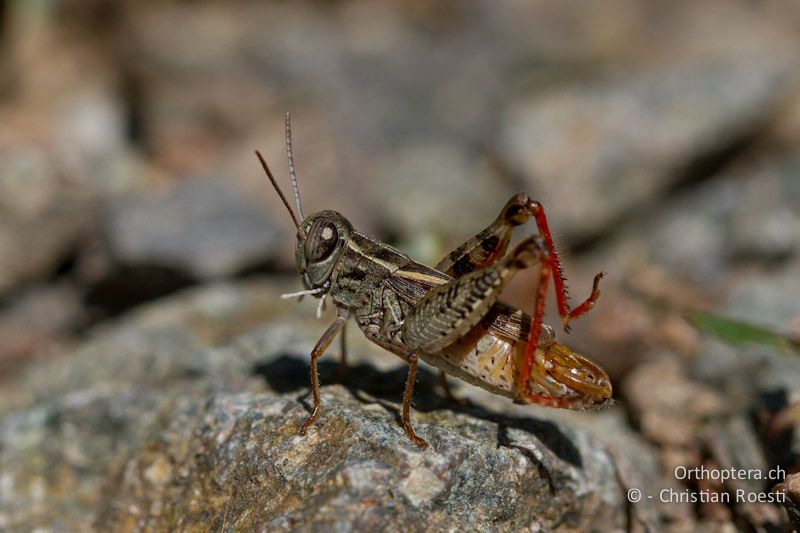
(300, 232)
(290, 157)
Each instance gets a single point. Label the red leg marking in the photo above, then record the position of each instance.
(562, 295)
(588, 303)
(496, 253)
(536, 330)
(558, 279)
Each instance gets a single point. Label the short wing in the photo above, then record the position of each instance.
(508, 322)
(414, 280)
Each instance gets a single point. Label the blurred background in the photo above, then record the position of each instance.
(662, 137)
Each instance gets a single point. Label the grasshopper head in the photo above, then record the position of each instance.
(563, 378)
(321, 239)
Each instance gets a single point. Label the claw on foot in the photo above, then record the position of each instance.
(304, 428)
(422, 443)
(586, 305)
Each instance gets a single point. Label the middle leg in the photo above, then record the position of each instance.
(408, 392)
(448, 392)
(412, 359)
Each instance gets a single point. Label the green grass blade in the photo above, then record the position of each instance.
(737, 331)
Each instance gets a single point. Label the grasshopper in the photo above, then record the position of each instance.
(448, 316)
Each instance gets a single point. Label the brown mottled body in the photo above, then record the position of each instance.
(449, 316)
(382, 288)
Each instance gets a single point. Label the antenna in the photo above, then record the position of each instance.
(290, 157)
(280, 193)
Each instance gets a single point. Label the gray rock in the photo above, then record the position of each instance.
(241, 455)
(149, 425)
(205, 228)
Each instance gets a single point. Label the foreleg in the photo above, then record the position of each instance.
(341, 372)
(318, 350)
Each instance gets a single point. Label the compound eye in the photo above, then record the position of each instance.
(322, 240)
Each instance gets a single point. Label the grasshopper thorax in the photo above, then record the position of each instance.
(321, 239)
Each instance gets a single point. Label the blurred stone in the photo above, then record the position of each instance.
(764, 225)
(733, 444)
(190, 67)
(436, 188)
(604, 148)
(692, 242)
(90, 126)
(40, 318)
(204, 228)
(29, 184)
(42, 216)
(580, 99)
(774, 235)
(696, 246)
(769, 299)
(786, 133)
(669, 407)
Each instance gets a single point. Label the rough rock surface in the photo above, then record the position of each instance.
(159, 422)
(235, 460)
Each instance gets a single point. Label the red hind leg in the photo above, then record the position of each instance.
(559, 280)
(523, 377)
(550, 268)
